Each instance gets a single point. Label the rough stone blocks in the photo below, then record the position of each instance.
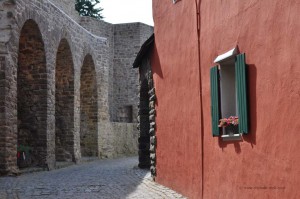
(67, 89)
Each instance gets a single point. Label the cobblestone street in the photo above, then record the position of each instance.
(118, 178)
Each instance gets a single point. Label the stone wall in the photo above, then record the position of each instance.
(128, 39)
(68, 7)
(8, 140)
(88, 109)
(32, 93)
(64, 103)
(124, 41)
(49, 99)
(3, 127)
(146, 117)
(145, 32)
(118, 139)
(98, 27)
(106, 30)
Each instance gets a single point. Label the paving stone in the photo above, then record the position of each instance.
(117, 178)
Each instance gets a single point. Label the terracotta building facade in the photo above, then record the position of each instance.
(214, 59)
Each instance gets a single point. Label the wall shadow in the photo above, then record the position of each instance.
(142, 176)
(235, 143)
(155, 66)
(106, 178)
(155, 62)
(252, 104)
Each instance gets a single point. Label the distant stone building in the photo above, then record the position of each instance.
(66, 86)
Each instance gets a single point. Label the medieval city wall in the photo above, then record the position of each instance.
(128, 39)
(68, 7)
(89, 72)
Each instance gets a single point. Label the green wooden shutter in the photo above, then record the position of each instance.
(214, 90)
(241, 91)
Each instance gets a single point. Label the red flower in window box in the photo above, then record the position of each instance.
(232, 120)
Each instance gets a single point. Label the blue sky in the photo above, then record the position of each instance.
(125, 11)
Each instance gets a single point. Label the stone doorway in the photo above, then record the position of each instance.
(88, 109)
(31, 98)
(64, 103)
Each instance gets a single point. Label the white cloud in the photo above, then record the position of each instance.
(126, 11)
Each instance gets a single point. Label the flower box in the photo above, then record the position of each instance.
(230, 128)
(232, 120)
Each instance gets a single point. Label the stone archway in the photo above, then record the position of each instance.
(64, 103)
(31, 97)
(88, 109)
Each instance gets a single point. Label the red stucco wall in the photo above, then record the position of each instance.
(177, 88)
(267, 163)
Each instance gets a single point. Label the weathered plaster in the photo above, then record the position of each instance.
(266, 163)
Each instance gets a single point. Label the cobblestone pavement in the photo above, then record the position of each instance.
(118, 178)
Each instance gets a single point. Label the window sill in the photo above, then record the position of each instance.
(231, 137)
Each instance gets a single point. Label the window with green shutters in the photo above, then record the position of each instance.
(228, 85)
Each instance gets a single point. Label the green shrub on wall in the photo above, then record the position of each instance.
(87, 8)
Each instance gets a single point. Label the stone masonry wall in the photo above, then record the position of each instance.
(145, 32)
(112, 66)
(146, 118)
(54, 25)
(3, 137)
(118, 139)
(128, 39)
(68, 7)
(8, 124)
(64, 103)
(124, 41)
(32, 93)
(106, 30)
(88, 109)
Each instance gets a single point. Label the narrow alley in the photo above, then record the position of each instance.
(104, 179)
